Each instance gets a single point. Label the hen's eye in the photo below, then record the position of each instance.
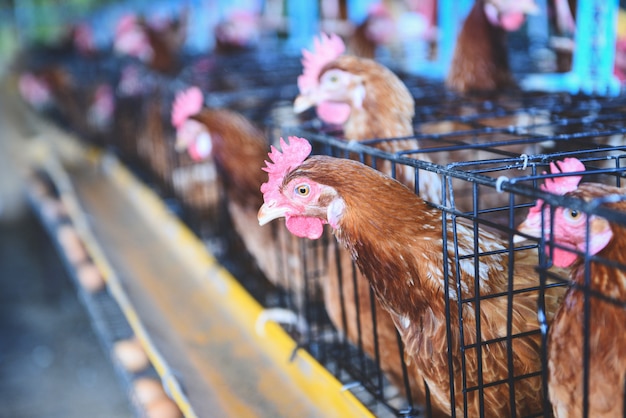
(573, 215)
(303, 190)
(333, 78)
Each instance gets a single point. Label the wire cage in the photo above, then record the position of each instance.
(497, 154)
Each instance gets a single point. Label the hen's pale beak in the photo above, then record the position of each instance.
(529, 228)
(181, 144)
(268, 213)
(303, 102)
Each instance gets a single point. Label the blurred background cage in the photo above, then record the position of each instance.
(492, 153)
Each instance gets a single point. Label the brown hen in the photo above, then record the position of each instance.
(237, 149)
(480, 61)
(159, 47)
(605, 327)
(397, 240)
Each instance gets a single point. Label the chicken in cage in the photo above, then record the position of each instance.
(579, 235)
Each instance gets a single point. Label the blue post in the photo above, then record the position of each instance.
(357, 10)
(303, 22)
(594, 56)
(451, 15)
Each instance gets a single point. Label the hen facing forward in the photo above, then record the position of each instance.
(607, 320)
(379, 105)
(396, 241)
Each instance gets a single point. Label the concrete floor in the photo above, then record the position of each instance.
(51, 363)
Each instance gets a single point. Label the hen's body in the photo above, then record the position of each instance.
(480, 61)
(607, 330)
(396, 241)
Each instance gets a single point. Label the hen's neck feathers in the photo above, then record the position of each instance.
(388, 107)
(396, 238)
(239, 149)
(480, 61)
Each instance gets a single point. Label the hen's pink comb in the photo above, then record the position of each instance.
(326, 48)
(555, 185)
(559, 185)
(562, 185)
(187, 103)
(125, 23)
(292, 155)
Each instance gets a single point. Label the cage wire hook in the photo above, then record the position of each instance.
(525, 158)
(280, 316)
(352, 144)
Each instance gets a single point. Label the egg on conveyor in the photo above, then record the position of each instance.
(148, 390)
(52, 209)
(131, 355)
(71, 243)
(89, 277)
(163, 408)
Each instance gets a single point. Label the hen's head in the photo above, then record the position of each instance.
(509, 14)
(34, 90)
(364, 86)
(380, 24)
(567, 227)
(326, 49)
(83, 38)
(240, 29)
(305, 203)
(131, 38)
(100, 112)
(191, 135)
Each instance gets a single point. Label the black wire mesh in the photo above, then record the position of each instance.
(496, 183)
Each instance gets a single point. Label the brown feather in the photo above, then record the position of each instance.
(361, 325)
(166, 43)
